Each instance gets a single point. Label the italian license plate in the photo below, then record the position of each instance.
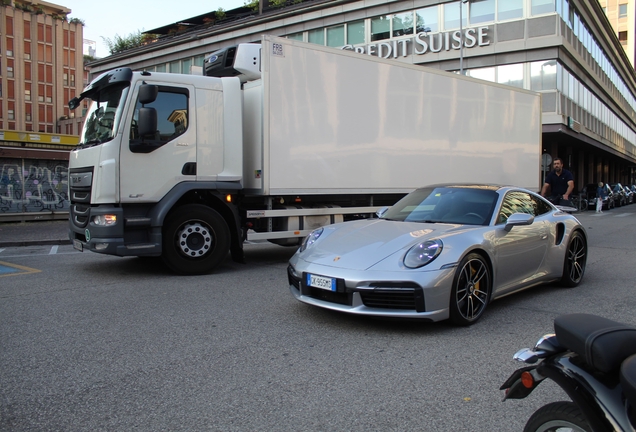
(321, 282)
(78, 245)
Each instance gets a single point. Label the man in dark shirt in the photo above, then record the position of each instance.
(558, 182)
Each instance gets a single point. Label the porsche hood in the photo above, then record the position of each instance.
(359, 245)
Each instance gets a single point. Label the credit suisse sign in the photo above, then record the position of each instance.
(424, 43)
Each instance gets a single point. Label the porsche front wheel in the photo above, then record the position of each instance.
(471, 290)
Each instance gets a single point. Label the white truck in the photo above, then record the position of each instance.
(276, 139)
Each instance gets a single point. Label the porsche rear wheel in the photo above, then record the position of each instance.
(471, 290)
(575, 260)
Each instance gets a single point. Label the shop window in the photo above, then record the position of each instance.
(316, 36)
(539, 7)
(511, 75)
(380, 28)
(355, 32)
(486, 74)
(186, 66)
(482, 11)
(402, 24)
(509, 9)
(296, 36)
(427, 19)
(543, 75)
(175, 67)
(336, 36)
(451, 15)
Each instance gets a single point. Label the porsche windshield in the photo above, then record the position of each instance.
(103, 116)
(456, 205)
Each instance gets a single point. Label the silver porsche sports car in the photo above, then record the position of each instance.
(442, 252)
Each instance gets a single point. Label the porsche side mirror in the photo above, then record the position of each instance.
(518, 219)
(381, 212)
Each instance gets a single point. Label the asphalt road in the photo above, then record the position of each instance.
(91, 342)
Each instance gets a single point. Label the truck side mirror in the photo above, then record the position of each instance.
(147, 122)
(148, 93)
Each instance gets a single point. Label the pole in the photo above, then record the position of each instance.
(461, 38)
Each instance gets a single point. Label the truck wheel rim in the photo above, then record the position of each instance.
(194, 239)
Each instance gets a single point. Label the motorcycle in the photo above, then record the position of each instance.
(593, 359)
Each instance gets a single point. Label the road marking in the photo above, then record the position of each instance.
(7, 269)
(53, 250)
(2, 250)
(623, 214)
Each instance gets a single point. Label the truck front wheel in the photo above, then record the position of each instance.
(196, 239)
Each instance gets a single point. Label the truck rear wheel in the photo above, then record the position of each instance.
(196, 240)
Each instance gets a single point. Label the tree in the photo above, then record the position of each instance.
(119, 44)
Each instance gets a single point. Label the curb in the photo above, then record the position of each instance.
(34, 243)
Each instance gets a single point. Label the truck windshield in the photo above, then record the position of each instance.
(103, 116)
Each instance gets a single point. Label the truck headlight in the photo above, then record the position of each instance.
(105, 220)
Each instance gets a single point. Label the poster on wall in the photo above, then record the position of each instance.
(33, 186)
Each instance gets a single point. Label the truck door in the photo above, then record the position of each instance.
(152, 164)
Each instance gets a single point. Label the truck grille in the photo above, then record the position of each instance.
(80, 186)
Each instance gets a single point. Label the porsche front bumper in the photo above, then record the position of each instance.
(391, 295)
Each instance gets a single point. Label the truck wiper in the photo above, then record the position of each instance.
(90, 143)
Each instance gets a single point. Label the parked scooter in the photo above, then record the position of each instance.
(594, 360)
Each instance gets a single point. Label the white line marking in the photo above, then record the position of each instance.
(53, 250)
(623, 214)
(2, 250)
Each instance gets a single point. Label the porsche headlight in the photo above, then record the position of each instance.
(423, 253)
(311, 238)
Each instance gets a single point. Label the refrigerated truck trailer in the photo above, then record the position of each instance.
(276, 139)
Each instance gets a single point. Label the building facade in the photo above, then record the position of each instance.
(564, 49)
(41, 69)
(41, 66)
(622, 15)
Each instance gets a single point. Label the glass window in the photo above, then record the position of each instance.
(380, 28)
(509, 9)
(316, 36)
(428, 18)
(199, 61)
(172, 115)
(175, 67)
(511, 75)
(451, 15)
(516, 202)
(355, 32)
(161, 68)
(482, 11)
(539, 7)
(186, 64)
(296, 36)
(622, 36)
(403, 24)
(543, 75)
(336, 36)
(486, 74)
(622, 10)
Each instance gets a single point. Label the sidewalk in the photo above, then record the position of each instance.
(51, 232)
